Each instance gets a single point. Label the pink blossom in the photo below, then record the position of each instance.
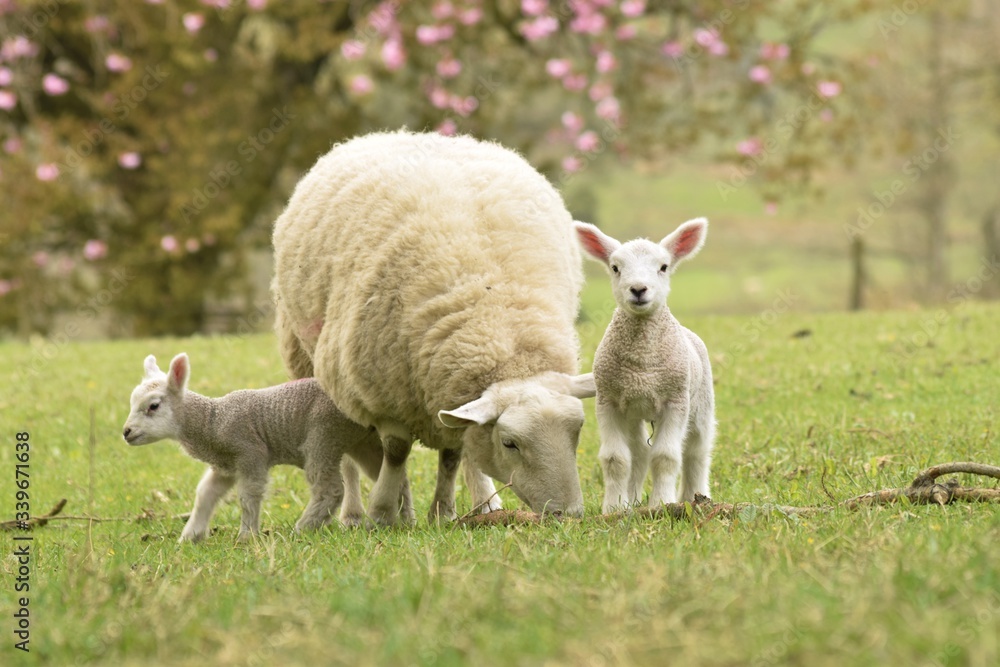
(40, 259)
(605, 62)
(719, 48)
(393, 54)
(464, 106)
(169, 243)
(575, 82)
(383, 18)
(12, 145)
(5, 287)
(771, 207)
(97, 23)
(353, 49)
(572, 121)
(447, 127)
(808, 68)
(442, 10)
(18, 47)
(705, 38)
(609, 108)
(588, 141)
(193, 22)
(470, 16)
(558, 67)
(828, 88)
(540, 28)
(572, 163)
(751, 146)
(431, 34)
(47, 172)
(589, 24)
(54, 85)
(439, 97)
(6, 76)
(600, 90)
(129, 160)
(154, 2)
(760, 74)
(116, 62)
(623, 33)
(449, 68)
(8, 100)
(256, 5)
(208, 239)
(94, 250)
(534, 7)
(361, 84)
(216, 4)
(633, 8)
(672, 49)
(192, 245)
(773, 51)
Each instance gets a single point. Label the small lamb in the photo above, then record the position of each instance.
(243, 434)
(650, 368)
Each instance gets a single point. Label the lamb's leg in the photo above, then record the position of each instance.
(697, 459)
(665, 458)
(481, 490)
(352, 512)
(212, 487)
(387, 494)
(443, 506)
(252, 486)
(327, 492)
(641, 450)
(615, 457)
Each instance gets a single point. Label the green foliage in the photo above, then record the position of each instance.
(866, 400)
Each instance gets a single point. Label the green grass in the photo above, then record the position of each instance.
(904, 585)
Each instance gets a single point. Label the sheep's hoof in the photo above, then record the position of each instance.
(191, 536)
(245, 536)
(494, 504)
(353, 520)
(440, 513)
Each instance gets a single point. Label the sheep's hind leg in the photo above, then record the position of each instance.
(697, 460)
(327, 492)
(387, 494)
(251, 489)
(212, 487)
(443, 506)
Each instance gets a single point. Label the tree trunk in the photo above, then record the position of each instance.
(858, 276)
(991, 245)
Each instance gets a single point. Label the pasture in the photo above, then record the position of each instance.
(855, 402)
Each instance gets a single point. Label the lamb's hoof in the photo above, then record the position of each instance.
(191, 536)
(353, 520)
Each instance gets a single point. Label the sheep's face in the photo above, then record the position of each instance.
(155, 403)
(526, 434)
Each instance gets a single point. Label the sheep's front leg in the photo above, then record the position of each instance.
(252, 486)
(615, 456)
(326, 493)
(665, 458)
(481, 490)
(213, 486)
(443, 506)
(387, 494)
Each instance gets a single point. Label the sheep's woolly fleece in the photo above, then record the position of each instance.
(415, 270)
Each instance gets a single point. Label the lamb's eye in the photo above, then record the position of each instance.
(663, 268)
(153, 407)
(614, 268)
(508, 443)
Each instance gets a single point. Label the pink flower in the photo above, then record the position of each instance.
(193, 22)
(54, 85)
(6, 76)
(719, 48)
(600, 90)
(589, 24)
(129, 160)
(116, 62)
(94, 250)
(442, 10)
(633, 8)
(393, 54)
(208, 239)
(12, 145)
(572, 164)
(609, 108)
(751, 146)
(216, 4)
(352, 49)
(211, 55)
(572, 121)
(605, 62)
(760, 74)
(464, 106)
(541, 27)
(18, 47)
(47, 172)
(40, 259)
(672, 49)
(534, 7)
(8, 100)
(828, 88)
(361, 84)
(706, 38)
(439, 97)
(625, 32)
(97, 23)
(558, 67)
(808, 68)
(431, 34)
(256, 5)
(5, 287)
(575, 82)
(470, 16)
(588, 141)
(447, 127)
(192, 245)
(771, 207)
(169, 243)
(449, 68)
(772, 51)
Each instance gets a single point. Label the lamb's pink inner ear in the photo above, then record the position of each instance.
(178, 372)
(687, 241)
(592, 244)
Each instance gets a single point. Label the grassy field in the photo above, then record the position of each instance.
(870, 399)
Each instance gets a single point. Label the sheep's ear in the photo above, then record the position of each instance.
(481, 411)
(596, 243)
(577, 386)
(150, 367)
(177, 377)
(686, 240)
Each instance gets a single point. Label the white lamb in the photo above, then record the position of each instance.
(649, 368)
(244, 433)
(431, 285)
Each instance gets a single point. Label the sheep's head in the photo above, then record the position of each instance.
(640, 269)
(156, 402)
(525, 433)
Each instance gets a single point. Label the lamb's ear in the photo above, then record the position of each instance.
(150, 367)
(577, 386)
(481, 411)
(177, 376)
(596, 243)
(686, 240)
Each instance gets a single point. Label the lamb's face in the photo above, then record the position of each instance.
(151, 417)
(640, 276)
(526, 435)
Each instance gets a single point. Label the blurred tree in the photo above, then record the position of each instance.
(153, 143)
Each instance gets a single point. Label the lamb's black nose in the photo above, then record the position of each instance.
(637, 291)
(126, 432)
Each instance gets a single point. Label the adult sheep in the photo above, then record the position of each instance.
(431, 285)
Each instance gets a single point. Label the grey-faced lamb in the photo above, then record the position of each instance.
(431, 285)
(650, 368)
(244, 433)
